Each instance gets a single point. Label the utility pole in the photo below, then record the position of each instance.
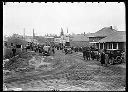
(67, 35)
(24, 33)
(67, 30)
(33, 35)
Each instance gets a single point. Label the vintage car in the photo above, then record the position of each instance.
(46, 50)
(114, 56)
(68, 49)
(95, 54)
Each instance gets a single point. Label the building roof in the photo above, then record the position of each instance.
(80, 38)
(103, 32)
(119, 36)
(80, 43)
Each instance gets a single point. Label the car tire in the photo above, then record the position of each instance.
(118, 59)
(111, 61)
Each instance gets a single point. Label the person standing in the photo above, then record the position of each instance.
(21, 47)
(84, 53)
(53, 50)
(88, 55)
(92, 55)
(102, 60)
(40, 51)
(65, 49)
(14, 51)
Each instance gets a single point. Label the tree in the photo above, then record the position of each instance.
(16, 40)
(61, 33)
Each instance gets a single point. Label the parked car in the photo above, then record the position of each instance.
(114, 56)
(95, 54)
(68, 49)
(46, 50)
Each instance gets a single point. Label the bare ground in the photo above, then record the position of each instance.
(69, 72)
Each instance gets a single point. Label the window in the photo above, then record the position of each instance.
(114, 45)
(120, 45)
(101, 45)
(105, 45)
(110, 45)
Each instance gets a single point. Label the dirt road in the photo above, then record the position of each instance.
(71, 72)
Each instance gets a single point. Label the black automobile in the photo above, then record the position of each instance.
(95, 54)
(46, 50)
(67, 50)
(114, 56)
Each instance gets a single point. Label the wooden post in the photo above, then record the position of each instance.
(112, 45)
(99, 45)
(103, 45)
(117, 46)
(108, 46)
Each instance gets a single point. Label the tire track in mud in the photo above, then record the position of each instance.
(29, 77)
(60, 68)
(76, 66)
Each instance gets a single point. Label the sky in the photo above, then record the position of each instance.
(51, 17)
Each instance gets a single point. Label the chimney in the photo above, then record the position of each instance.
(111, 27)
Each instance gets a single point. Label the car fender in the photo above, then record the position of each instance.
(117, 58)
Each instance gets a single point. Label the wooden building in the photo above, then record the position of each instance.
(79, 40)
(116, 40)
(104, 32)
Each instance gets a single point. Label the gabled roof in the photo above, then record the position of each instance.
(80, 38)
(103, 32)
(119, 36)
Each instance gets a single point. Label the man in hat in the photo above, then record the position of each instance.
(84, 53)
(102, 60)
(14, 50)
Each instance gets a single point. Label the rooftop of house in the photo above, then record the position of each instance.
(103, 32)
(80, 38)
(119, 36)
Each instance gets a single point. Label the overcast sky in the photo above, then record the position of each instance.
(50, 17)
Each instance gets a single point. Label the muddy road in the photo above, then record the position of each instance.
(69, 72)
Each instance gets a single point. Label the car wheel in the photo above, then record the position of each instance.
(118, 59)
(111, 61)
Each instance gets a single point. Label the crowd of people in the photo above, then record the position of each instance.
(89, 53)
(42, 49)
